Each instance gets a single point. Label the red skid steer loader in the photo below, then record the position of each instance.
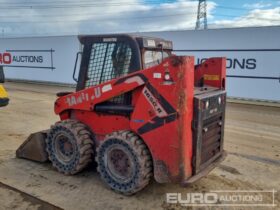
(140, 112)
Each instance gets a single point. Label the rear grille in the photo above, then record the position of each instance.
(208, 129)
(211, 139)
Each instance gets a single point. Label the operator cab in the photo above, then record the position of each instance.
(106, 57)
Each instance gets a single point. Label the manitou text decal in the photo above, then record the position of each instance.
(27, 58)
(83, 97)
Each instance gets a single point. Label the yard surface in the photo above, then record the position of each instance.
(252, 139)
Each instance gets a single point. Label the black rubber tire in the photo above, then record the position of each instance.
(82, 143)
(141, 160)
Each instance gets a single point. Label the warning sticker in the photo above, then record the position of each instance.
(211, 77)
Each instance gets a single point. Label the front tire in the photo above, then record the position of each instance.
(70, 146)
(124, 162)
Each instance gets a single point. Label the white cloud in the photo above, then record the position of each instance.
(257, 17)
(113, 17)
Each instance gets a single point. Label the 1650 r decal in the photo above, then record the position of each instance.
(153, 101)
(165, 112)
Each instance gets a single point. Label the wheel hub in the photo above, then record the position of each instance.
(64, 147)
(119, 163)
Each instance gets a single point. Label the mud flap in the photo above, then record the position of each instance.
(34, 147)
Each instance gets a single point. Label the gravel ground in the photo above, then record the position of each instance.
(252, 139)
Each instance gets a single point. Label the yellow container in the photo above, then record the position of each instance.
(4, 100)
(3, 93)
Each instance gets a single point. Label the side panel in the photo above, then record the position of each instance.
(101, 124)
(168, 133)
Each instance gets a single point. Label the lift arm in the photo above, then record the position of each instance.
(86, 99)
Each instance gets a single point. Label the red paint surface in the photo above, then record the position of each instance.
(171, 143)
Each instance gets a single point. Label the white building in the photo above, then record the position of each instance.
(253, 57)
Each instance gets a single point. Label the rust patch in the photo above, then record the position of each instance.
(177, 60)
(181, 104)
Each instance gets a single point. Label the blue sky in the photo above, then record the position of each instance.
(59, 17)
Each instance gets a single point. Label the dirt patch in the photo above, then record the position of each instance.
(12, 198)
(229, 169)
(252, 139)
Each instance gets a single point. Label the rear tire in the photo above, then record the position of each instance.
(70, 146)
(124, 162)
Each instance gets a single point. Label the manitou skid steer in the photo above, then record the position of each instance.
(140, 112)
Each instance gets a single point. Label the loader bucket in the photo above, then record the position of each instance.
(34, 147)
